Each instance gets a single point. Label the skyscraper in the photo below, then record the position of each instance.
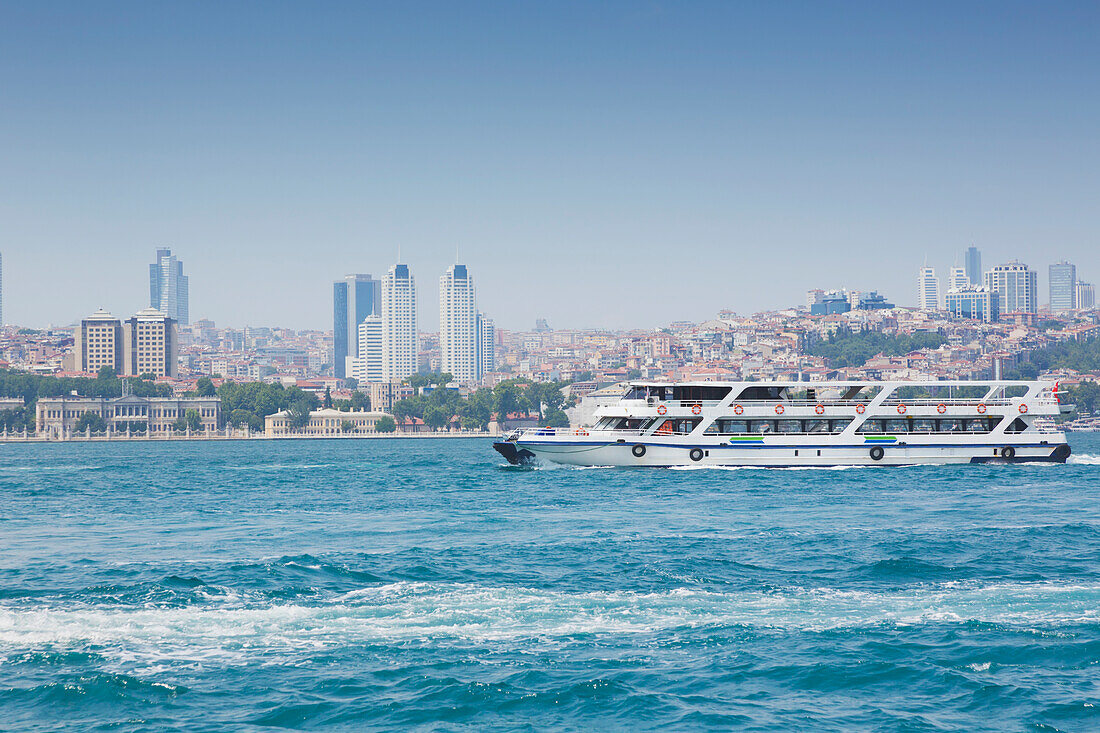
(486, 345)
(168, 287)
(458, 324)
(353, 299)
(958, 279)
(1016, 286)
(974, 265)
(1086, 295)
(399, 335)
(368, 365)
(1063, 286)
(150, 344)
(928, 289)
(98, 343)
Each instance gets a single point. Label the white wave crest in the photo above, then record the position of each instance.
(234, 628)
(1085, 459)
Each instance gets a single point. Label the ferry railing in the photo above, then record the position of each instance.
(578, 431)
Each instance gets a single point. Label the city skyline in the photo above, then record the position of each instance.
(552, 146)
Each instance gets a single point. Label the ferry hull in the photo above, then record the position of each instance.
(625, 455)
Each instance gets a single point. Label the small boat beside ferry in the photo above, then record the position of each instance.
(792, 424)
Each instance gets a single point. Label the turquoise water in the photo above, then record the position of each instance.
(399, 584)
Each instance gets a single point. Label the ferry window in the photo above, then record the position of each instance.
(817, 426)
(897, 426)
(686, 426)
(761, 426)
(977, 425)
(789, 426)
(953, 425)
(761, 393)
(839, 426)
(1018, 425)
(871, 426)
(666, 428)
(728, 427)
(924, 426)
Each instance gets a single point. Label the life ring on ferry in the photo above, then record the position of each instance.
(661, 410)
(820, 409)
(941, 408)
(696, 454)
(982, 408)
(1023, 409)
(696, 409)
(738, 410)
(581, 431)
(638, 450)
(861, 408)
(780, 409)
(902, 408)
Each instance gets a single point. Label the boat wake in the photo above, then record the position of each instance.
(234, 628)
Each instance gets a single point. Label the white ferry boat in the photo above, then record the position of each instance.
(785, 424)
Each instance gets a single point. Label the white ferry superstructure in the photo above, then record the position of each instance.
(787, 424)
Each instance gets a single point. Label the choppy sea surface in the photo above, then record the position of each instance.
(421, 584)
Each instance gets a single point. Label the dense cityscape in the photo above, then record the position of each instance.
(377, 358)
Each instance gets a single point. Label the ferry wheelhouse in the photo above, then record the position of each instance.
(783, 424)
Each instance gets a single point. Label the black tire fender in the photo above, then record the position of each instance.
(638, 450)
(1008, 452)
(696, 454)
(877, 453)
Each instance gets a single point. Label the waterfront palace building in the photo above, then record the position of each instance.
(55, 417)
(324, 422)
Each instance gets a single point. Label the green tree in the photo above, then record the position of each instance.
(297, 415)
(192, 421)
(90, 421)
(360, 401)
(347, 426)
(328, 398)
(385, 424)
(506, 400)
(435, 417)
(555, 418)
(106, 372)
(204, 387)
(239, 418)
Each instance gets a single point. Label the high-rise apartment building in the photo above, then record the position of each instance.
(368, 365)
(1, 289)
(150, 344)
(486, 345)
(928, 289)
(974, 265)
(98, 343)
(399, 334)
(168, 291)
(458, 344)
(353, 299)
(1063, 286)
(958, 279)
(1086, 296)
(1016, 286)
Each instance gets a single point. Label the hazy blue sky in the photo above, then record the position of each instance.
(599, 164)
